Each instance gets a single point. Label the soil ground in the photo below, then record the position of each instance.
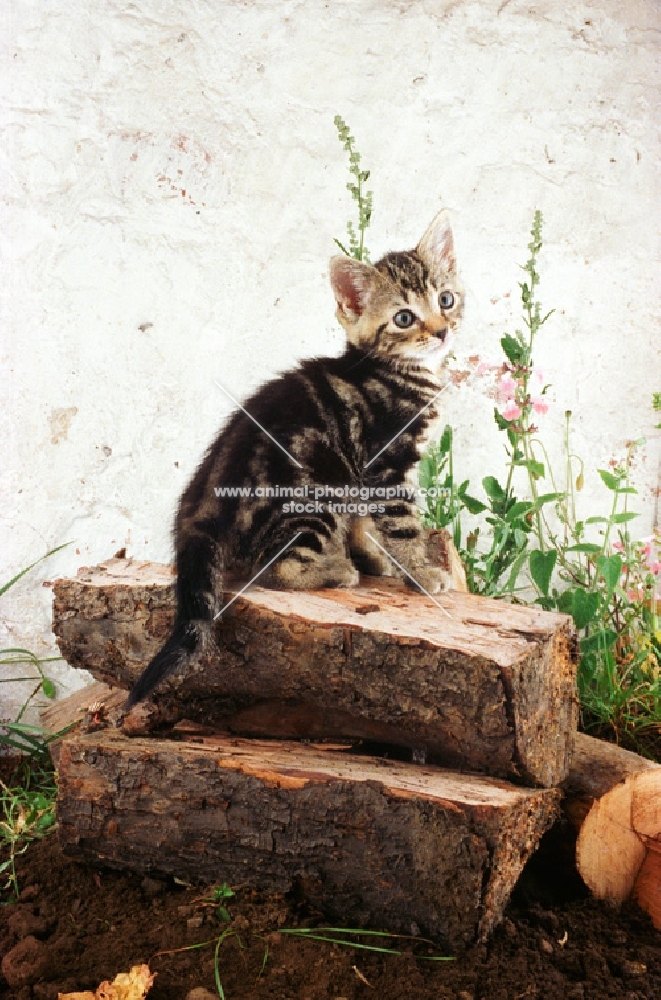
(76, 925)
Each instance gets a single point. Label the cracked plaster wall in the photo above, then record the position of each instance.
(172, 182)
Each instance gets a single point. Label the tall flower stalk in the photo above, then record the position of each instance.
(356, 188)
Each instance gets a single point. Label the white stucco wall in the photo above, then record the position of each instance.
(172, 182)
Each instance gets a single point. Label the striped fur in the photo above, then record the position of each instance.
(333, 415)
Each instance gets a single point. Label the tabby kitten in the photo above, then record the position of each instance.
(333, 415)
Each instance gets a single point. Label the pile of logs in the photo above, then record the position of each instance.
(207, 781)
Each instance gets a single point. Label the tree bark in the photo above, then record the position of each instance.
(596, 767)
(482, 684)
(369, 841)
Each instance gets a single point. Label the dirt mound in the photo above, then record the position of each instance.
(76, 925)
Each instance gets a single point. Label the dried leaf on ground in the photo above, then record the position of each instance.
(133, 985)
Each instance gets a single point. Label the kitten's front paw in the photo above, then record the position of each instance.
(441, 551)
(290, 574)
(350, 578)
(432, 578)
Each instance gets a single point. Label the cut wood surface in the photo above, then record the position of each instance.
(370, 842)
(613, 797)
(489, 688)
(647, 887)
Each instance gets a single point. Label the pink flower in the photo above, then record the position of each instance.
(511, 411)
(618, 546)
(507, 387)
(483, 368)
(636, 595)
(538, 374)
(539, 404)
(654, 568)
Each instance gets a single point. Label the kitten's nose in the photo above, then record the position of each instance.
(441, 334)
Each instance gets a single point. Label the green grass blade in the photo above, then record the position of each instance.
(347, 944)
(312, 934)
(5, 587)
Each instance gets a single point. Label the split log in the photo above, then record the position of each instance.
(369, 841)
(487, 686)
(613, 798)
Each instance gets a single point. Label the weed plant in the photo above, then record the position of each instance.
(27, 799)
(536, 549)
(363, 199)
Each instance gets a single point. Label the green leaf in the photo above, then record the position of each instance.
(565, 601)
(520, 507)
(536, 469)
(623, 517)
(547, 498)
(445, 444)
(503, 424)
(584, 547)
(520, 539)
(596, 520)
(426, 471)
(492, 488)
(584, 607)
(542, 565)
(514, 352)
(514, 572)
(600, 640)
(472, 505)
(223, 892)
(48, 688)
(611, 481)
(610, 568)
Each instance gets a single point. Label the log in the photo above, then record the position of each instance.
(490, 688)
(613, 798)
(369, 841)
(647, 887)
(596, 767)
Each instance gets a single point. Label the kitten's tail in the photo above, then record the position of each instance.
(185, 638)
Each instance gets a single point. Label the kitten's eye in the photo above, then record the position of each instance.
(446, 300)
(404, 319)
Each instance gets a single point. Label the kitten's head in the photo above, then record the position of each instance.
(407, 305)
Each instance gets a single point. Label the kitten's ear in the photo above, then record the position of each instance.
(437, 245)
(353, 284)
